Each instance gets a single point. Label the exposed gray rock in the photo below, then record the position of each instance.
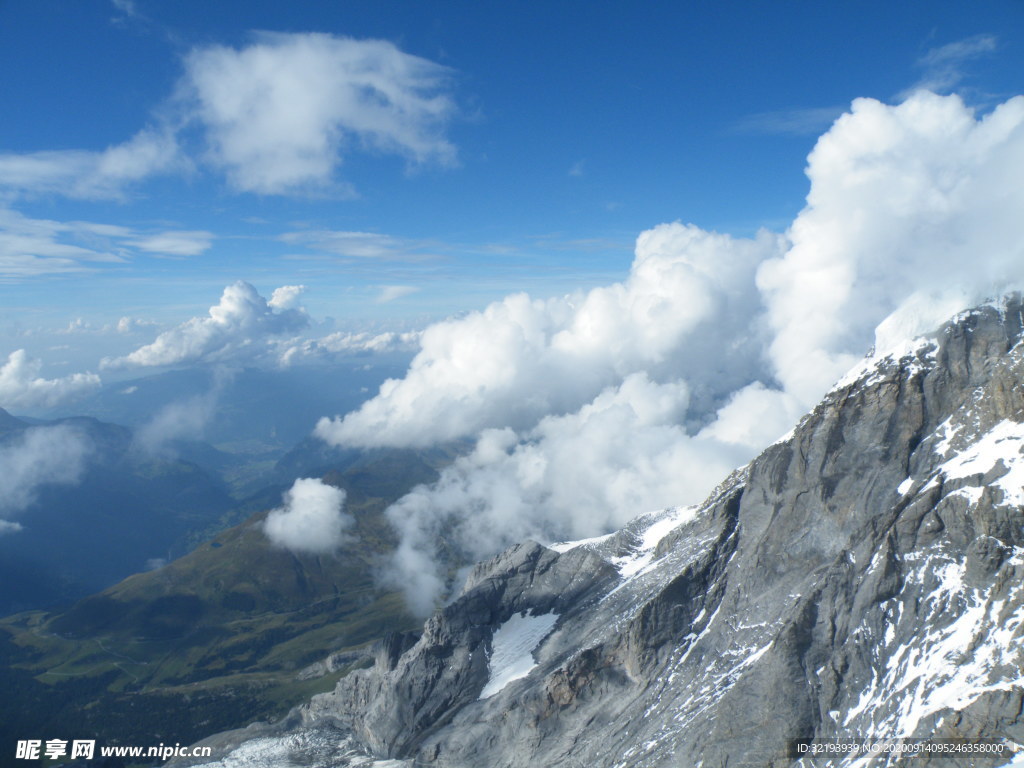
(860, 579)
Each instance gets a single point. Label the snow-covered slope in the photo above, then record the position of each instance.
(863, 578)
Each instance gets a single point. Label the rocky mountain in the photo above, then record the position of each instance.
(862, 578)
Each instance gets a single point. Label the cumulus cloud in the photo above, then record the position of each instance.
(588, 409)
(346, 343)
(34, 458)
(312, 519)
(687, 297)
(919, 199)
(21, 386)
(279, 113)
(276, 116)
(240, 327)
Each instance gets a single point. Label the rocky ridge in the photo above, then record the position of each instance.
(862, 578)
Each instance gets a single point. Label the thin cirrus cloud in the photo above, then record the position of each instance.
(389, 293)
(31, 247)
(362, 245)
(808, 121)
(174, 242)
(944, 68)
(275, 117)
(643, 393)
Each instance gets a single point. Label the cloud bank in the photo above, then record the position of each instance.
(591, 408)
(21, 386)
(37, 457)
(239, 328)
(312, 519)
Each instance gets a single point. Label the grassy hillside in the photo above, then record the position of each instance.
(214, 639)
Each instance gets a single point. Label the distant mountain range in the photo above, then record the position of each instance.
(125, 513)
(233, 631)
(862, 579)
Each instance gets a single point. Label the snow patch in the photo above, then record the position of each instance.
(512, 649)
(1003, 442)
(642, 556)
(565, 546)
(915, 354)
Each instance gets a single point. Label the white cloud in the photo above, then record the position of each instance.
(919, 198)
(595, 407)
(362, 245)
(88, 174)
(21, 386)
(175, 242)
(343, 344)
(286, 297)
(133, 324)
(312, 519)
(687, 297)
(37, 457)
(279, 114)
(30, 247)
(240, 327)
(393, 292)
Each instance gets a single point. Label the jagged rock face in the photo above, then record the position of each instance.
(861, 578)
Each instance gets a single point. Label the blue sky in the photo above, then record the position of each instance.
(536, 141)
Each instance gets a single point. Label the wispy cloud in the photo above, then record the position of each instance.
(363, 245)
(277, 116)
(38, 456)
(808, 121)
(32, 247)
(393, 292)
(86, 174)
(944, 68)
(174, 242)
(577, 168)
